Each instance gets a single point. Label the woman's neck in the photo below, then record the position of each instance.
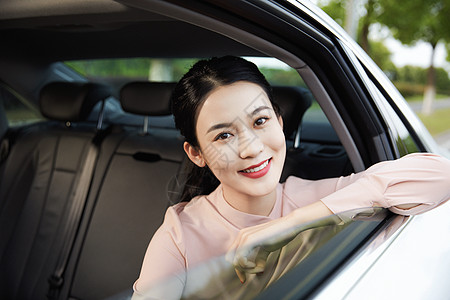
(255, 205)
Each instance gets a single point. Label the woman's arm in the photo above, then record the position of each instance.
(410, 185)
(413, 184)
(163, 271)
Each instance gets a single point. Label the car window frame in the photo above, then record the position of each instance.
(320, 91)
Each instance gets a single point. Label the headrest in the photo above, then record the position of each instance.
(293, 102)
(147, 98)
(71, 101)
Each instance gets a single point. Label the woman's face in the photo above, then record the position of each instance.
(241, 139)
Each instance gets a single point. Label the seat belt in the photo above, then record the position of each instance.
(6, 143)
(75, 213)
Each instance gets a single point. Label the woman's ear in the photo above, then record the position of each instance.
(194, 155)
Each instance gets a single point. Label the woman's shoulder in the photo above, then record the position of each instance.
(177, 217)
(184, 211)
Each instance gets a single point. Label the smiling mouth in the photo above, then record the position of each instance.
(258, 170)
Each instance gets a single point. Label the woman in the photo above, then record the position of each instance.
(234, 138)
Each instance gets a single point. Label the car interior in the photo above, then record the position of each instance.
(85, 181)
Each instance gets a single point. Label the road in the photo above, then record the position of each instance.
(437, 104)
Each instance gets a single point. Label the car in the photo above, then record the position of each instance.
(90, 158)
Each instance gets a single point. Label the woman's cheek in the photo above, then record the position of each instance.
(274, 138)
(220, 158)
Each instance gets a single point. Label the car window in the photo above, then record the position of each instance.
(117, 72)
(310, 257)
(17, 111)
(401, 138)
(122, 70)
(315, 150)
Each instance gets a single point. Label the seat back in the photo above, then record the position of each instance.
(40, 176)
(129, 199)
(293, 102)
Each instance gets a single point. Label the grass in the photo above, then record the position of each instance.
(438, 122)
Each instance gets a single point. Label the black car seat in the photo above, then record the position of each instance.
(128, 198)
(42, 177)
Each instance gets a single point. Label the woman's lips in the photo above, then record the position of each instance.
(258, 170)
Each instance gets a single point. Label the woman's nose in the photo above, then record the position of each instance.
(250, 145)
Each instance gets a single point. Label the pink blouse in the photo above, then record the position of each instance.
(204, 228)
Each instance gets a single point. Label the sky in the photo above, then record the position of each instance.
(417, 55)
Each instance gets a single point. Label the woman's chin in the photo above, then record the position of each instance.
(260, 188)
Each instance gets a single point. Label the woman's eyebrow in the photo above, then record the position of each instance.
(219, 126)
(258, 109)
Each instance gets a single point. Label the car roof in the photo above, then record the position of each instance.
(69, 30)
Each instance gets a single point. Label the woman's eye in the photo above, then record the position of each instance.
(260, 121)
(223, 136)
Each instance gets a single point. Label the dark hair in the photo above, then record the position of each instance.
(189, 95)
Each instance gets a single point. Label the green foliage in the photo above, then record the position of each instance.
(411, 80)
(335, 9)
(180, 67)
(134, 68)
(282, 76)
(442, 81)
(137, 68)
(381, 55)
(415, 20)
(411, 74)
(409, 89)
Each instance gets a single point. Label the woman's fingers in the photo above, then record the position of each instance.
(251, 261)
(240, 275)
(245, 263)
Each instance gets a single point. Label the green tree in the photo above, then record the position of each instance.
(417, 20)
(336, 9)
(409, 21)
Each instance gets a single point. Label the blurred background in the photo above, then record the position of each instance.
(410, 42)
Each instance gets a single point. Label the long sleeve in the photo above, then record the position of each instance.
(421, 180)
(163, 272)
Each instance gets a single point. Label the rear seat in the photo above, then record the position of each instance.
(38, 185)
(128, 199)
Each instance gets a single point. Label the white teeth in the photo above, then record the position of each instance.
(257, 168)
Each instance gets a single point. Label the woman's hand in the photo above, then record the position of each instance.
(253, 245)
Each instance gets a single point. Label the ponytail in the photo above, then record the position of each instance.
(199, 181)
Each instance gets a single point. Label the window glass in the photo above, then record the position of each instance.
(171, 70)
(401, 138)
(312, 143)
(120, 71)
(132, 69)
(313, 253)
(17, 112)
